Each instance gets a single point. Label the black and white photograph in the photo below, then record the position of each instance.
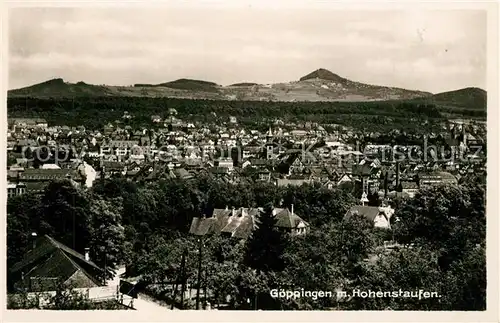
(218, 157)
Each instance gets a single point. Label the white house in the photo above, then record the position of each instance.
(380, 216)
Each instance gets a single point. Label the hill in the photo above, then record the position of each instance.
(470, 98)
(58, 88)
(320, 85)
(324, 75)
(244, 84)
(191, 85)
(185, 84)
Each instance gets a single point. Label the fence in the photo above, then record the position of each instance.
(100, 293)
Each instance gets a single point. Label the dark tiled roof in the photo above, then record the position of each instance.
(369, 212)
(202, 226)
(287, 219)
(48, 174)
(52, 259)
(35, 186)
(246, 227)
(240, 223)
(112, 165)
(293, 182)
(44, 246)
(222, 218)
(362, 170)
(182, 173)
(219, 170)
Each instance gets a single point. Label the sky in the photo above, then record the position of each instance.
(431, 51)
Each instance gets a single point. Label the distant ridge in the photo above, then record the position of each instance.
(189, 84)
(57, 87)
(244, 84)
(321, 85)
(185, 84)
(470, 97)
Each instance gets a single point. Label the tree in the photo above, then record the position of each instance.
(107, 235)
(464, 284)
(66, 209)
(318, 205)
(446, 218)
(264, 250)
(450, 222)
(406, 270)
(374, 199)
(23, 217)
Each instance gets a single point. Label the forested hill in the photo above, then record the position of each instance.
(373, 116)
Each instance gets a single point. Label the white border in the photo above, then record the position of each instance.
(491, 315)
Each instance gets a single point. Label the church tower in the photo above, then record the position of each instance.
(269, 144)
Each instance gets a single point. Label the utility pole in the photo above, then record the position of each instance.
(180, 279)
(74, 240)
(200, 241)
(105, 266)
(183, 279)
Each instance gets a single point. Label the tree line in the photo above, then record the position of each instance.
(94, 112)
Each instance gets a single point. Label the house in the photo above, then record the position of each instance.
(345, 178)
(380, 216)
(226, 163)
(36, 179)
(283, 182)
(436, 179)
(14, 189)
(410, 188)
(290, 222)
(30, 122)
(264, 175)
(240, 223)
(123, 147)
(156, 119)
(50, 263)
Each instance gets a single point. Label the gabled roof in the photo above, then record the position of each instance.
(52, 259)
(44, 246)
(182, 173)
(369, 212)
(202, 226)
(287, 219)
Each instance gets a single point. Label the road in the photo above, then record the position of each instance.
(143, 302)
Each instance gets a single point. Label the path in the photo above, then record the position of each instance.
(143, 302)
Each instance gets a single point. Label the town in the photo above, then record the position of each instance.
(286, 154)
(376, 176)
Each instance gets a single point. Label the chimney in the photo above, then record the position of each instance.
(292, 209)
(87, 254)
(232, 211)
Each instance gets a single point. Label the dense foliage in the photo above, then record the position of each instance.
(94, 112)
(441, 231)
